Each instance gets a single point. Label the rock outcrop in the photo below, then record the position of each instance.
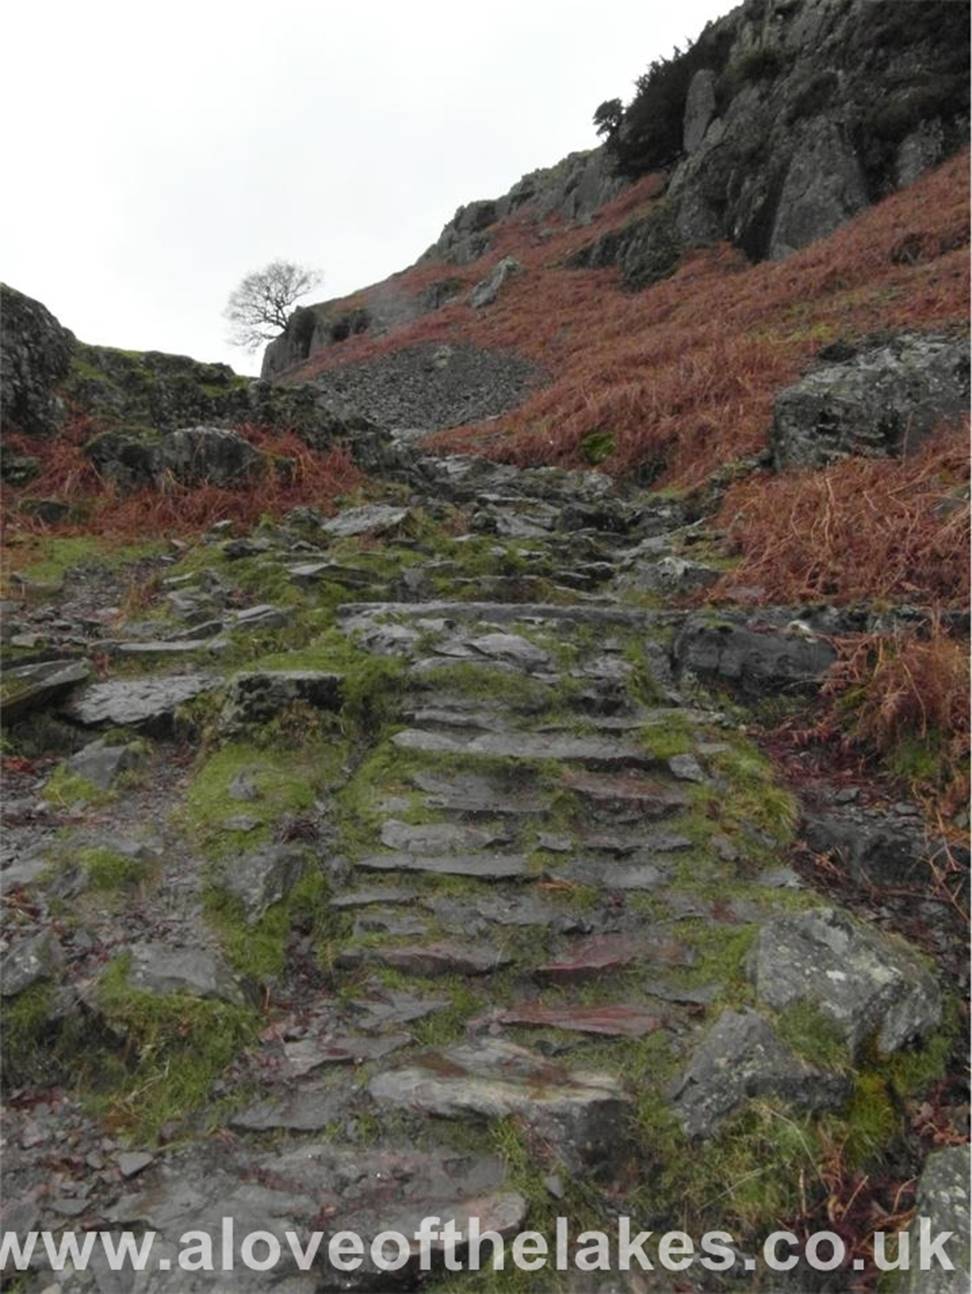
(35, 354)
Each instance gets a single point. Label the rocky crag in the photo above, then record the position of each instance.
(418, 839)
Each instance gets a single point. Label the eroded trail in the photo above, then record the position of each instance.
(464, 899)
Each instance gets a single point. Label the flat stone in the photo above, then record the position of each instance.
(373, 518)
(366, 896)
(166, 647)
(388, 1007)
(388, 922)
(430, 959)
(582, 1113)
(263, 616)
(28, 687)
(506, 910)
(739, 1059)
(260, 879)
(133, 1162)
(604, 954)
(158, 968)
(307, 1110)
(144, 703)
(867, 983)
(686, 768)
(627, 792)
(612, 1020)
(440, 837)
(309, 1054)
(487, 867)
(477, 793)
(595, 751)
(611, 876)
(513, 649)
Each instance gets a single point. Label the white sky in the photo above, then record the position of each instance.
(154, 153)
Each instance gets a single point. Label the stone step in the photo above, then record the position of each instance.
(484, 867)
(505, 612)
(429, 959)
(593, 752)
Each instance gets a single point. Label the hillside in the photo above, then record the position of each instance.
(510, 762)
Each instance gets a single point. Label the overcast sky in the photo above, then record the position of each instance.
(154, 153)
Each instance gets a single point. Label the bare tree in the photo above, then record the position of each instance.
(258, 308)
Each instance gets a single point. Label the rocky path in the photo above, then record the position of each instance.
(522, 939)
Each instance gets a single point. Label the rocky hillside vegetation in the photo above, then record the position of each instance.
(511, 760)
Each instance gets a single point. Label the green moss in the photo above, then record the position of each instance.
(26, 1036)
(259, 949)
(106, 869)
(752, 798)
(49, 559)
(176, 1046)
(668, 735)
(814, 1036)
(68, 789)
(286, 782)
(597, 446)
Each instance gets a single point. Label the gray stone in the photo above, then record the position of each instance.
(488, 289)
(686, 768)
(263, 878)
(477, 793)
(143, 703)
(582, 1113)
(258, 696)
(309, 1054)
(264, 616)
(371, 519)
(742, 1058)
(824, 186)
(307, 1110)
(485, 867)
(158, 968)
(430, 959)
(700, 108)
(595, 752)
(753, 659)
(208, 455)
(511, 648)
(869, 984)
(367, 895)
(440, 837)
(132, 1162)
(879, 846)
(27, 962)
(884, 399)
(942, 1205)
(672, 576)
(35, 353)
(101, 764)
(388, 922)
(28, 687)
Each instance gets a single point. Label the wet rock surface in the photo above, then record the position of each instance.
(431, 886)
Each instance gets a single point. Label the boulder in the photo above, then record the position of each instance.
(869, 985)
(646, 249)
(148, 704)
(700, 108)
(100, 763)
(824, 186)
(488, 289)
(35, 353)
(157, 968)
(208, 455)
(371, 519)
(739, 1059)
(880, 399)
(27, 962)
(671, 576)
(28, 687)
(880, 847)
(752, 658)
(257, 696)
(942, 1205)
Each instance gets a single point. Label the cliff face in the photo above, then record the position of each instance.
(791, 116)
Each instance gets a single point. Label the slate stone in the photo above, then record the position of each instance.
(158, 968)
(754, 661)
(440, 837)
(739, 1059)
(942, 1200)
(374, 894)
(100, 764)
(260, 879)
(627, 791)
(686, 768)
(513, 649)
(29, 687)
(309, 1109)
(430, 959)
(486, 867)
(582, 1113)
(605, 954)
(867, 983)
(391, 1008)
(26, 962)
(373, 519)
(477, 793)
(306, 1055)
(388, 922)
(596, 752)
(210, 455)
(611, 876)
(147, 704)
(611, 1020)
